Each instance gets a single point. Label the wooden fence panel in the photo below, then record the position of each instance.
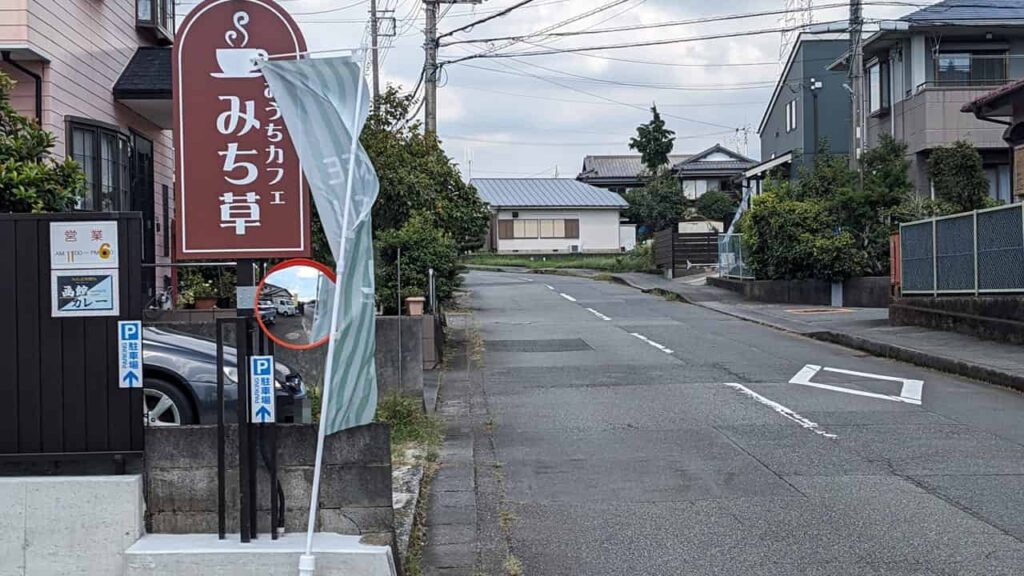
(58, 376)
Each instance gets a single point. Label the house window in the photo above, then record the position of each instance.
(103, 155)
(999, 183)
(791, 116)
(158, 16)
(878, 87)
(693, 189)
(532, 229)
(971, 68)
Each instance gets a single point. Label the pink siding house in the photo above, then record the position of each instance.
(96, 73)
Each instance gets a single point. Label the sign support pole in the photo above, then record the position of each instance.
(307, 562)
(243, 350)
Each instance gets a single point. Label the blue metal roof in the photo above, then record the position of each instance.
(968, 10)
(544, 192)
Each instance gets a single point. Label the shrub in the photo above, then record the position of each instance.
(958, 176)
(791, 239)
(30, 179)
(716, 205)
(423, 246)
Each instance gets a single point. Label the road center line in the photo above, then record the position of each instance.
(812, 426)
(550, 287)
(651, 342)
(567, 297)
(525, 279)
(598, 314)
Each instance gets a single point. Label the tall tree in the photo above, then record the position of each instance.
(654, 143)
(31, 180)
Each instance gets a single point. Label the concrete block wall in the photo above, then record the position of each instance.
(310, 363)
(410, 379)
(355, 490)
(68, 525)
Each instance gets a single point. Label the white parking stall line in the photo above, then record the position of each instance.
(567, 297)
(651, 342)
(598, 314)
(791, 415)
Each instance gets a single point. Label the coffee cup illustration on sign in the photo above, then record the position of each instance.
(239, 61)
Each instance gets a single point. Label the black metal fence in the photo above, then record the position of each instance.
(59, 393)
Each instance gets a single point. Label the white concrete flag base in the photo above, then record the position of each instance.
(190, 554)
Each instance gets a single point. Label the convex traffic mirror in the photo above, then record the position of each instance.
(287, 307)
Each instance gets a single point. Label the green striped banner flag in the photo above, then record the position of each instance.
(324, 105)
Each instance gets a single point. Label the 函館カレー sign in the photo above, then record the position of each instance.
(240, 189)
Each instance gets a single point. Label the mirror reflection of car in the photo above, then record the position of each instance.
(268, 312)
(286, 306)
(180, 382)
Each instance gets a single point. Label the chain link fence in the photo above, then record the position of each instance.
(731, 257)
(971, 253)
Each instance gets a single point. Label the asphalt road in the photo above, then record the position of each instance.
(294, 329)
(645, 437)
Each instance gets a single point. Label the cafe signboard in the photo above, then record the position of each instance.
(240, 191)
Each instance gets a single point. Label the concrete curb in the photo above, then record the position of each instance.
(873, 347)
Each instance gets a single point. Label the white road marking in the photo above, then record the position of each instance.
(651, 342)
(598, 314)
(567, 297)
(910, 393)
(525, 279)
(812, 426)
(550, 287)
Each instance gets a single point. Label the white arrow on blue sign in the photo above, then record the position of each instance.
(129, 353)
(261, 383)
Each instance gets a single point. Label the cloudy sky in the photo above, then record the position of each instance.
(539, 115)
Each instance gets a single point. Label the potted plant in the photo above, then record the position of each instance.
(197, 292)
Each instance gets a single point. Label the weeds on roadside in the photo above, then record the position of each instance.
(408, 423)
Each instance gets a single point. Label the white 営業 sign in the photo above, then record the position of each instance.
(85, 244)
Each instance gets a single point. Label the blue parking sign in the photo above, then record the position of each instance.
(261, 390)
(129, 354)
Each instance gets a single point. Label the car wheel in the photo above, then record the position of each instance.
(165, 405)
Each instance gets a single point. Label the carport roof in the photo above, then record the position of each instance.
(544, 192)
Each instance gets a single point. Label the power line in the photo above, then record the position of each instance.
(580, 101)
(674, 87)
(605, 98)
(567, 21)
(498, 14)
(664, 42)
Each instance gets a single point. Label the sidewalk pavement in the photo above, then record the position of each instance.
(866, 329)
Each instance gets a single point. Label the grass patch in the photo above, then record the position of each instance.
(408, 423)
(639, 260)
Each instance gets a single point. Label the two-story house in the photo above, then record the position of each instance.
(950, 53)
(809, 105)
(96, 74)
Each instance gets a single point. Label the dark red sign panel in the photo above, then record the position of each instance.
(240, 190)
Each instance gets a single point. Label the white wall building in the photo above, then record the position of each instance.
(553, 215)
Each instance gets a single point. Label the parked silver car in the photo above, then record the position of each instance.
(180, 381)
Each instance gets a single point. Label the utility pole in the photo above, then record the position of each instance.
(375, 49)
(857, 119)
(430, 68)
